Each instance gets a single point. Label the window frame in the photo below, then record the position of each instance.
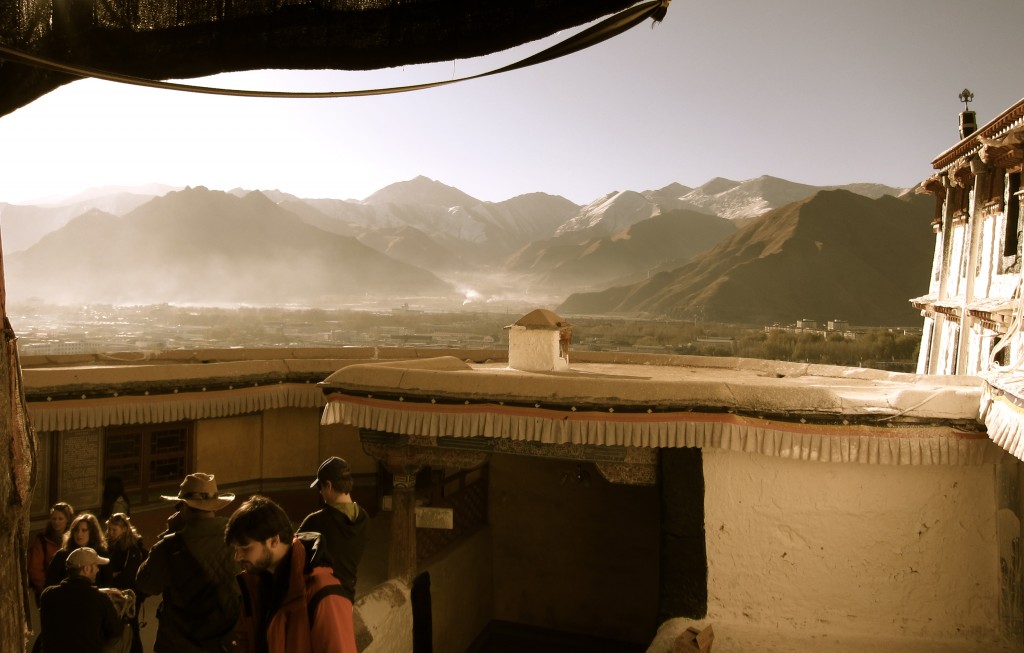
(143, 489)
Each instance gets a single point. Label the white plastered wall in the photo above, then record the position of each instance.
(534, 350)
(948, 333)
(924, 355)
(989, 244)
(958, 253)
(850, 548)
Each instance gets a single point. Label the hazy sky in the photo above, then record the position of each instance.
(814, 91)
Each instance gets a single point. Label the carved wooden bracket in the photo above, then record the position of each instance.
(407, 459)
(961, 175)
(1004, 152)
(639, 468)
(406, 455)
(933, 185)
(405, 481)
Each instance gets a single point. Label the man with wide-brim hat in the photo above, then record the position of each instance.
(199, 491)
(194, 570)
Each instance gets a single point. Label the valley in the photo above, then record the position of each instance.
(132, 331)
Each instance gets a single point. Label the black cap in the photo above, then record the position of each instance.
(332, 469)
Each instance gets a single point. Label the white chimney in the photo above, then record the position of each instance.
(539, 342)
(968, 123)
(968, 119)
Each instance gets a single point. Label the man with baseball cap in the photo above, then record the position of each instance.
(194, 569)
(341, 524)
(75, 615)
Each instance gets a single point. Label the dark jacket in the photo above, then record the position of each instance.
(75, 616)
(342, 542)
(194, 570)
(124, 566)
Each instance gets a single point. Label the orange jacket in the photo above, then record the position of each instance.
(40, 553)
(288, 630)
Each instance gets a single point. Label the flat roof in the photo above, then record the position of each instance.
(760, 387)
(639, 404)
(606, 401)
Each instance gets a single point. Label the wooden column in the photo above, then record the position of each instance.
(402, 558)
(404, 457)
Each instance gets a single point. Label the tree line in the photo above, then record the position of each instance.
(886, 348)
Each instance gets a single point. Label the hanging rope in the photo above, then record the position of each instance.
(606, 29)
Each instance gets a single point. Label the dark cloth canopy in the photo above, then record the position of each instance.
(178, 39)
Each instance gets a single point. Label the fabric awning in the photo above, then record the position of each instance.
(1002, 410)
(152, 409)
(47, 43)
(883, 444)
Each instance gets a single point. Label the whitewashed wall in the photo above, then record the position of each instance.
(955, 281)
(845, 548)
(934, 281)
(972, 274)
(534, 350)
(945, 362)
(989, 244)
(924, 354)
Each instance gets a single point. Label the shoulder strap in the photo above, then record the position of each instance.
(320, 594)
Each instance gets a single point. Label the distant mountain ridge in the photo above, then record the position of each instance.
(587, 259)
(414, 238)
(22, 225)
(421, 190)
(448, 213)
(203, 246)
(835, 255)
(736, 200)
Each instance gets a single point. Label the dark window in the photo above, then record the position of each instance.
(1011, 240)
(995, 183)
(1002, 357)
(960, 201)
(151, 460)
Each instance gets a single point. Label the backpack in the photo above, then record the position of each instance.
(316, 556)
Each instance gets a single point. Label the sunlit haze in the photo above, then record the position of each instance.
(814, 92)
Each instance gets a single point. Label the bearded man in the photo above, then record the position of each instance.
(289, 605)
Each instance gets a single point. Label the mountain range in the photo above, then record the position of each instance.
(206, 246)
(835, 255)
(430, 244)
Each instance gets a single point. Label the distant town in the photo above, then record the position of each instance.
(51, 330)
